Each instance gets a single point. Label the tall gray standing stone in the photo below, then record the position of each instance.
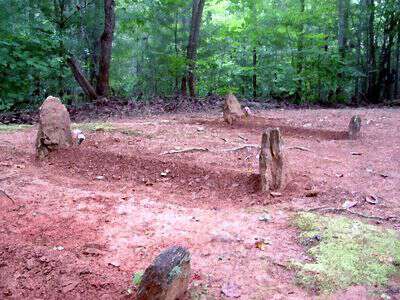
(168, 277)
(355, 127)
(54, 127)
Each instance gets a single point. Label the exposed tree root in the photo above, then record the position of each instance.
(300, 148)
(188, 150)
(3, 193)
(335, 210)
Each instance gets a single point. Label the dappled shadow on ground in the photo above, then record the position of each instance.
(259, 124)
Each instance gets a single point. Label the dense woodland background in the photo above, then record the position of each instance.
(326, 51)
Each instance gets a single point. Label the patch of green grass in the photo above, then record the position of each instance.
(106, 127)
(13, 127)
(345, 252)
(95, 126)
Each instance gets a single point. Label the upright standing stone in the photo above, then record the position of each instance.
(271, 162)
(264, 161)
(355, 127)
(168, 277)
(232, 109)
(54, 127)
(277, 176)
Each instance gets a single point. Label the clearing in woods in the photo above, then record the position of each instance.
(80, 224)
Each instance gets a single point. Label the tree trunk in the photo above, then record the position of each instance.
(300, 56)
(81, 79)
(197, 13)
(397, 68)
(106, 39)
(254, 73)
(372, 94)
(343, 11)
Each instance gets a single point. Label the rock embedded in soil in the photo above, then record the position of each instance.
(168, 277)
(232, 109)
(54, 127)
(355, 127)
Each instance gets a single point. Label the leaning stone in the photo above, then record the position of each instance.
(168, 277)
(232, 109)
(355, 127)
(54, 127)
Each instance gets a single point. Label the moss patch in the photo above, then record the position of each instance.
(13, 127)
(106, 127)
(345, 252)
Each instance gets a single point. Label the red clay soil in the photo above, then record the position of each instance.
(67, 233)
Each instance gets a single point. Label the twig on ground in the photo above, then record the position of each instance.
(335, 210)
(188, 150)
(300, 148)
(241, 148)
(3, 193)
(243, 138)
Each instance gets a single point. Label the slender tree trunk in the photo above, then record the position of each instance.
(197, 13)
(300, 56)
(397, 69)
(59, 11)
(372, 94)
(254, 73)
(343, 11)
(81, 79)
(106, 39)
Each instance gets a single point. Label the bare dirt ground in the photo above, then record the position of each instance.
(65, 234)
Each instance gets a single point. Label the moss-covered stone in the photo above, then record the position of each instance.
(347, 252)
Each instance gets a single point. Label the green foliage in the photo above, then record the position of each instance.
(137, 278)
(297, 50)
(349, 253)
(13, 128)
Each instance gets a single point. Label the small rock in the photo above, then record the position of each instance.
(58, 248)
(265, 218)
(100, 177)
(200, 129)
(312, 193)
(307, 125)
(168, 277)
(275, 194)
(115, 264)
(356, 153)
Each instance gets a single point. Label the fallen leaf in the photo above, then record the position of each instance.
(349, 204)
(231, 290)
(372, 199)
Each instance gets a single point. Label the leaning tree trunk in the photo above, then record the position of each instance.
(106, 40)
(81, 79)
(197, 13)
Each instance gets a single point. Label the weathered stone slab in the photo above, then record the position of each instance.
(54, 127)
(277, 172)
(232, 109)
(271, 162)
(168, 277)
(265, 161)
(355, 127)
